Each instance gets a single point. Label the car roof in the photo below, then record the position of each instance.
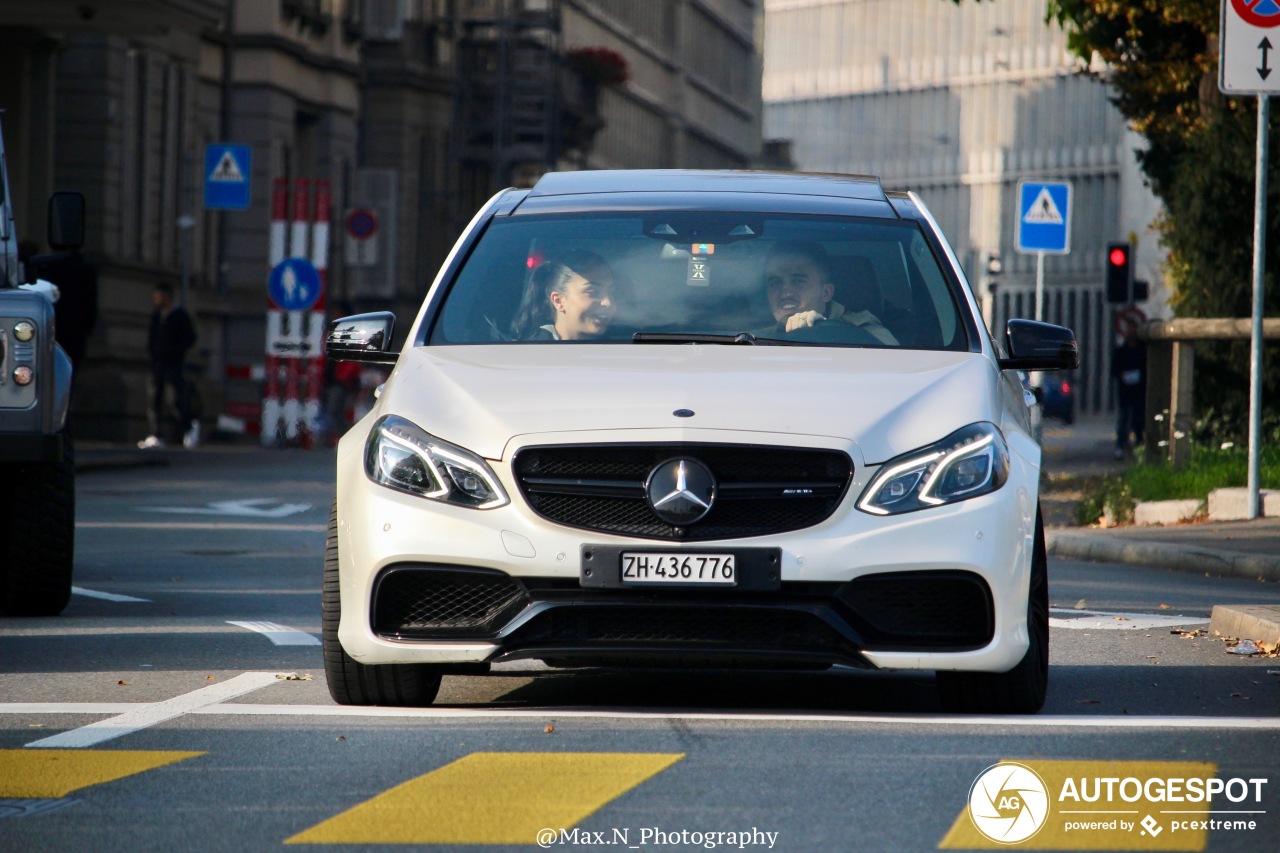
(686, 189)
(691, 180)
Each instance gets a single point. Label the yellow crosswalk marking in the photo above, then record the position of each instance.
(54, 773)
(491, 798)
(1056, 833)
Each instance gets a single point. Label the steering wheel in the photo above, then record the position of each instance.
(834, 332)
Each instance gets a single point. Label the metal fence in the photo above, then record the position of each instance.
(1084, 309)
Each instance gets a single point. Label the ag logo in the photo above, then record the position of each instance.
(1008, 802)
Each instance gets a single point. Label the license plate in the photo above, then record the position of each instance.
(659, 567)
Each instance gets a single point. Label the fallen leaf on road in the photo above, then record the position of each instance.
(1122, 618)
(122, 681)
(293, 676)
(209, 678)
(1081, 604)
(549, 729)
(1238, 696)
(1165, 607)
(342, 737)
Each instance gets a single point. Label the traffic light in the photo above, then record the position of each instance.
(1119, 273)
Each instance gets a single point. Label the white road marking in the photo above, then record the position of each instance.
(213, 708)
(250, 507)
(201, 525)
(280, 635)
(105, 596)
(149, 714)
(1101, 620)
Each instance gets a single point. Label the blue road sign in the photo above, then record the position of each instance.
(226, 176)
(294, 284)
(1044, 217)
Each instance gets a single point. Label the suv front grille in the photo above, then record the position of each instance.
(761, 490)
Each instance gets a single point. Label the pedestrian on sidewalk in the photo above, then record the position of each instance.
(1129, 370)
(171, 336)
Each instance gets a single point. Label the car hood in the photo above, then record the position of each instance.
(885, 401)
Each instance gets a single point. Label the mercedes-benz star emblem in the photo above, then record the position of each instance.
(681, 491)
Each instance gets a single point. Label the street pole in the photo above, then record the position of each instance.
(1039, 286)
(1259, 266)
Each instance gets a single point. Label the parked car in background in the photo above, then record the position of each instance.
(1057, 397)
(694, 419)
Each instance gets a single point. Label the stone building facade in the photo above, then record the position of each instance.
(961, 103)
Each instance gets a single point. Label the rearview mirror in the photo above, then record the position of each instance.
(1039, 346)
(362, 337)
(66, 221)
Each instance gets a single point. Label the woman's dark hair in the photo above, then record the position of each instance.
(550, 277)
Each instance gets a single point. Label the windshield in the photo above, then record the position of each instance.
(702, 277)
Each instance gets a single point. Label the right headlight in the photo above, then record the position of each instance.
(972, 461)
(402, 456)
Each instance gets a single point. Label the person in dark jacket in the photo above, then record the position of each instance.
(171, 336)
(1129, 370)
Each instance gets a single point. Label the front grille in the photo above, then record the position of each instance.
(761, 490)
(444, 601)
(710, 628)
(922, 609)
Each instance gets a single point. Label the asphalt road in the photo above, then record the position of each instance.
(179, 703)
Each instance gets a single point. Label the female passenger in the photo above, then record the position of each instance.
(570, 299)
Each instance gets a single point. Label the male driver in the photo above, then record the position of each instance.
(798, 284)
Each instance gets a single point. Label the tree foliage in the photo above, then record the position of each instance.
(1161, 61)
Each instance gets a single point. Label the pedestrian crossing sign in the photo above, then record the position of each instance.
(1044, 217)
(227, 169)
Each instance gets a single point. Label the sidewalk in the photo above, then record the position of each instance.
(1246, 549)
(1241, 549)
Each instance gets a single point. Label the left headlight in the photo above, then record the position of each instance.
(972, 461)
(402, 456)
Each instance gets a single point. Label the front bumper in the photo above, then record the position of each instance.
(941, 589)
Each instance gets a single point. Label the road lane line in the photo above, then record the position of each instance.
(201, 525)
(1127, 721)
(1103, 620)
(53, 773)
(158, 712)
(232, 709)
(491, 798)
(280, 635)
(105, 596)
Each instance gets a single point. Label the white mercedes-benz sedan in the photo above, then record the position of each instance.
(694, 419)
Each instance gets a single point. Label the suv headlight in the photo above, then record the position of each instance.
(402, 456)
(972, 461)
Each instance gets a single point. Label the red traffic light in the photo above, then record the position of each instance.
(1118, 256)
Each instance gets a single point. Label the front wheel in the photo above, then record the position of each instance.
(37, 537)
(1022, 689)
(354, 683)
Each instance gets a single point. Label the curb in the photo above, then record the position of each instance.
(1190, 558)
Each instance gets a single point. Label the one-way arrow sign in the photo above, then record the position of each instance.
(1245, 45)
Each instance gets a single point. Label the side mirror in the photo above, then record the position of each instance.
(1039, 346)
(362, 337)
(66, 221)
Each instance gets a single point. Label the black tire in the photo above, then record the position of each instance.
(37, 537)
(353, 683)
(1022, 689)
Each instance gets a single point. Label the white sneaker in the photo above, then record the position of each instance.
(192, 438)
(150, 442)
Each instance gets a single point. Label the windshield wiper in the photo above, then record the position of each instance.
(739, 339)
